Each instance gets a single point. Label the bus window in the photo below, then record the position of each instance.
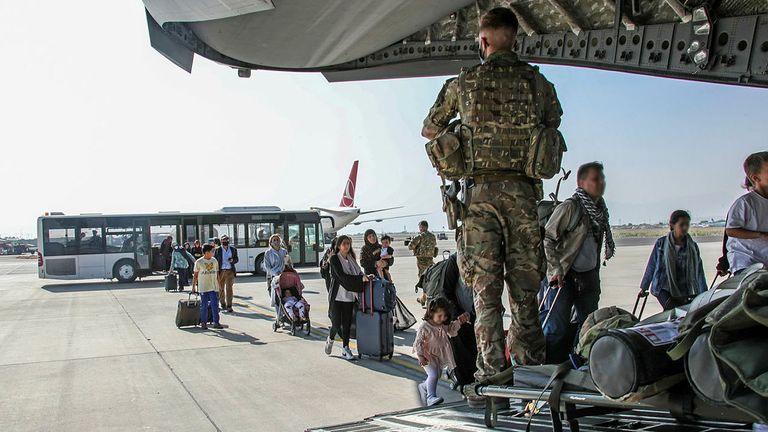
(259, 232)
(161, 232)
(91, 240)
(223, 229)
(59, 240)
(119, 236)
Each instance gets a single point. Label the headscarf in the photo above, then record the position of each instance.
(598, 219)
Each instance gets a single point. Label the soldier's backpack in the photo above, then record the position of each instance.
(547, 145)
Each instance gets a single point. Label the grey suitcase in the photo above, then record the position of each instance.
(188, 311)
(375, 334)
(171, 282)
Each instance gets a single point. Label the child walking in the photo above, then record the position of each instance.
(433, 347)
(747, 225)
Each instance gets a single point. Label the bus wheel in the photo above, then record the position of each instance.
(257, 270)
(125, 270)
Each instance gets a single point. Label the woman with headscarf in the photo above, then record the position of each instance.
(675, 273)
(347, 279)
(370, 252)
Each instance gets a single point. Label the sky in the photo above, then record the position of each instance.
(95, 120)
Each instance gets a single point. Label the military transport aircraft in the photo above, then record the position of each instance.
(722, 41)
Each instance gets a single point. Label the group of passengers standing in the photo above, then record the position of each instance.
(345, 277)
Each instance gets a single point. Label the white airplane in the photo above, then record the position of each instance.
(346, 213)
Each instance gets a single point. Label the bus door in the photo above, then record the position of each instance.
(189, 231)
(161, 250)
(141, 245)
(311, 243)
(294, 242)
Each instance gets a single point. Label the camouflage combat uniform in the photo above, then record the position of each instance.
(423, 247)
(500, 239)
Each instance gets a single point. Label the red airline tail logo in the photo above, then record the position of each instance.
(348, 198)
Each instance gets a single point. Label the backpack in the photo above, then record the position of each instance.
(547, 145)
(442, 280)
(545, 208)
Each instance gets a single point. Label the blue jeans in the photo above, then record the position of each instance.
(580, 294)
(209, 298)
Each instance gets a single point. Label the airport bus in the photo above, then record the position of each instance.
(127, 246)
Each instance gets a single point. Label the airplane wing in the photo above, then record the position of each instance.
(380, 210)
(702, 40)
(388, 218)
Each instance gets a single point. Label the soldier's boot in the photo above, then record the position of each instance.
(476, 401)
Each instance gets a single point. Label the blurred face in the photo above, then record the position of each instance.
(371, 238)
(593, 183)
(197, 243)
(275, 243)
(385, 243)
(439, 316)
(345, 246)
(422, 228)
(681, 227)
(225, 242)
(760, 179)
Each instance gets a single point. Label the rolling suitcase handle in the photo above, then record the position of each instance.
(551, 307)
(644, 295)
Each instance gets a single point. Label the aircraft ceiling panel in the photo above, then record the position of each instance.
(319, 33)
(373, 39)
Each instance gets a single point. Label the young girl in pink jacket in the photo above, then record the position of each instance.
(433, 347)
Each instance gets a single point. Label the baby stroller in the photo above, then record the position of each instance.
(283, 318)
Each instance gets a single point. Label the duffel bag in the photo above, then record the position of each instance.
(632, 363)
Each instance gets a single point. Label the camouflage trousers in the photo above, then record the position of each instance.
(423, 263)
(500, 241)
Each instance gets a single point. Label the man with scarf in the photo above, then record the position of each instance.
(573, 259)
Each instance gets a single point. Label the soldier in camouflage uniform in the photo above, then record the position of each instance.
(423, 246)
(500, 239)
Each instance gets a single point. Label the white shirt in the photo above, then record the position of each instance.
(226, 254)
(749, 212)
(342, 294)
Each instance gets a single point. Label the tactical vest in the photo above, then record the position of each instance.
(497, 103)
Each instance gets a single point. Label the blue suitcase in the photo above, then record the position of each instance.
(379, 295)
(375, 334)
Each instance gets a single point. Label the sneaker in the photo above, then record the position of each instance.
(218, 326)
(434, 400)
(423, 393)
(347, 353)
(328, 346)
(204, 326)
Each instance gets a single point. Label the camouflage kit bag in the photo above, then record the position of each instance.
(446, 153)
(547, 145)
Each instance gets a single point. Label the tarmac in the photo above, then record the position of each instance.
(98, 355)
